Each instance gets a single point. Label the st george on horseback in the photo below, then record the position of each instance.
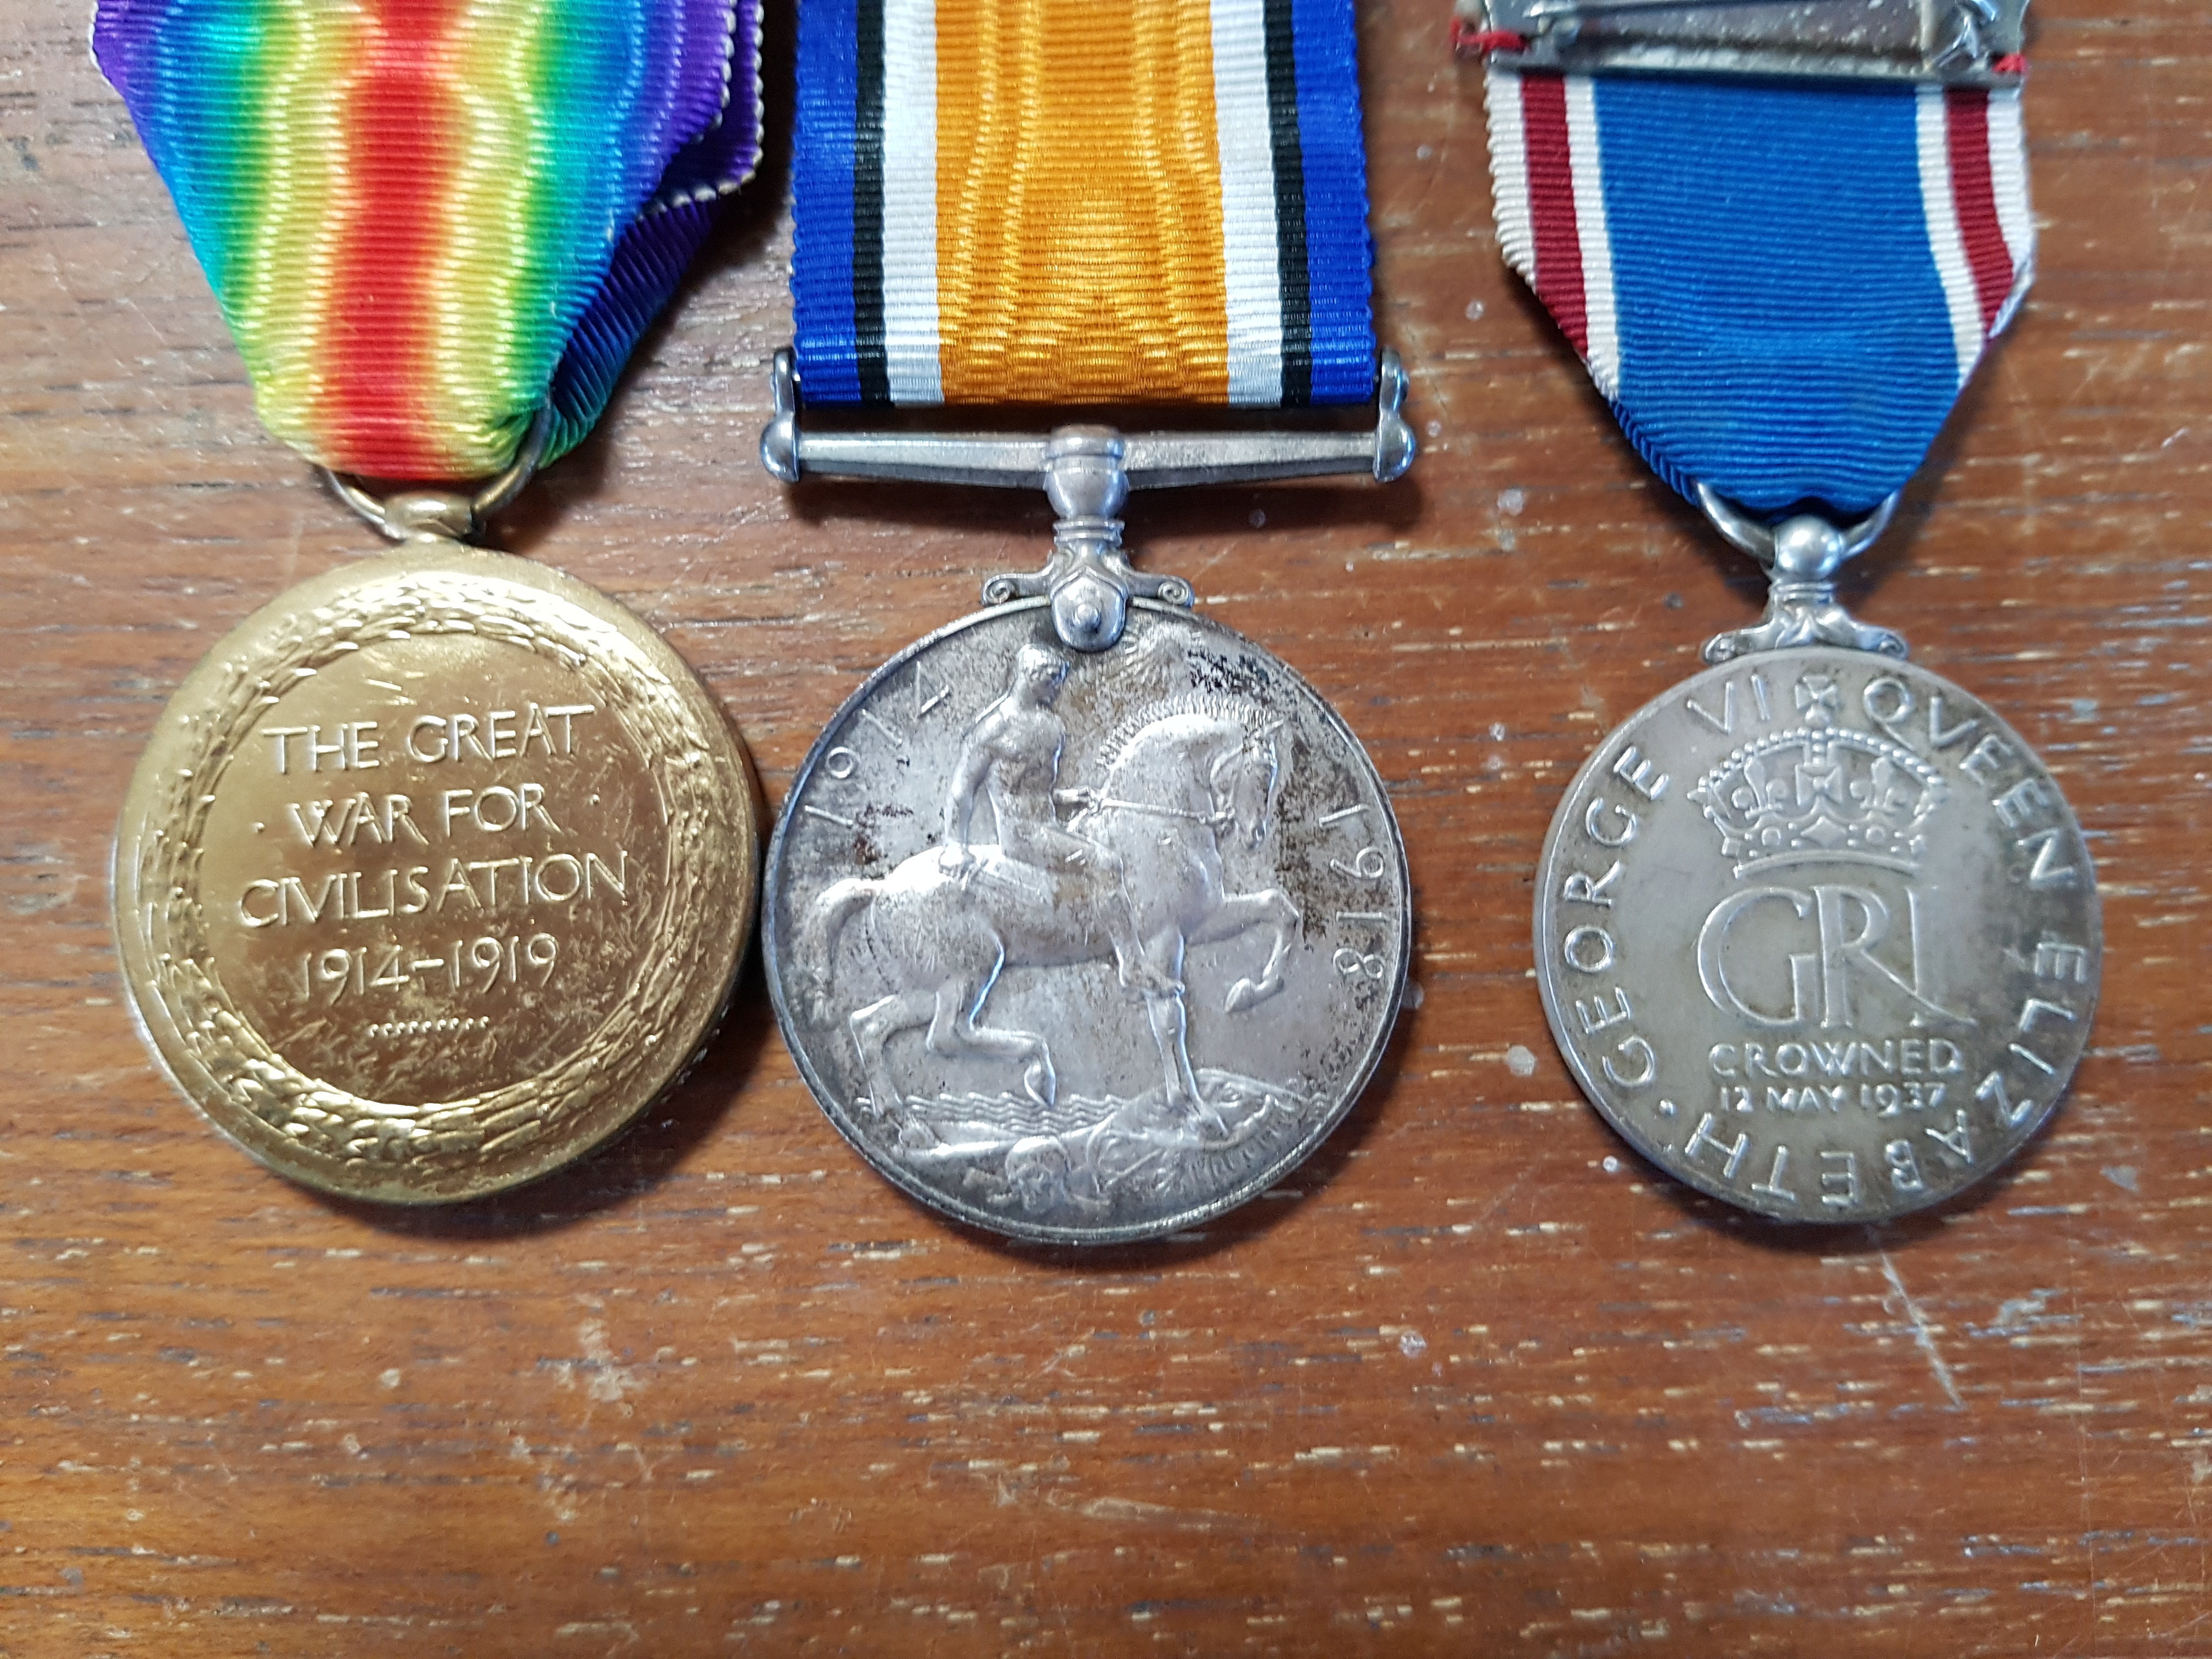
(1136, 875)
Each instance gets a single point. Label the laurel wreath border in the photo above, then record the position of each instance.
(351, 1144)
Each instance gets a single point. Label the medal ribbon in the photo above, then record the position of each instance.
(423, 218)
(1078, 201)
(1782, 288)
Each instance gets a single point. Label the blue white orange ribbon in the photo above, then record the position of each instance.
(1781, 288)
(1039, 200)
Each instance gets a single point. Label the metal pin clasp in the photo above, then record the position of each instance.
(1957, 42)
(1087, 473)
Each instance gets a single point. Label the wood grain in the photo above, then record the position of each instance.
(1482, 1383)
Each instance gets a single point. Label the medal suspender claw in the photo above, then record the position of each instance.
(1816, 932)
(1086, 919)
(439, 868)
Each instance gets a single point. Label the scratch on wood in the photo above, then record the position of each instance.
(1921, 1333)
(1130, 1509)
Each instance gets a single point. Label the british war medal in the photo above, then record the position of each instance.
(1086, 919)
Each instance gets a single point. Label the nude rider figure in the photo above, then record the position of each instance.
(1011, 756)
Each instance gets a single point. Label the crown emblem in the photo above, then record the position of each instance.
(1823, 792)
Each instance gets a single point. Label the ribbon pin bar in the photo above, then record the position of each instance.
(1087, 471)
(1957, 42)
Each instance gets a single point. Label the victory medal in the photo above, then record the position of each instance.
(1086, 919)
(438, 868)
(1816, 930)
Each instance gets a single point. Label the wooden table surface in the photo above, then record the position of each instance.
(1477, 1382)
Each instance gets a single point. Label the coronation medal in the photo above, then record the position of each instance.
(439, 867)
(1816, 931)
(1086, 919)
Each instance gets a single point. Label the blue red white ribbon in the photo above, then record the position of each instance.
(1781, 288)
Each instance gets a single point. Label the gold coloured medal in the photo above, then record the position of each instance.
(436, 871)
(440, 867)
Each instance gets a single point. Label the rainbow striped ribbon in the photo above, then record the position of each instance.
(1075, 201)
(423, 218)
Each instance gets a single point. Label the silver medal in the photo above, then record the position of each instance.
(1087, 918)
(1816, 931)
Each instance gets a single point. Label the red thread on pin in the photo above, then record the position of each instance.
(2012, 63)
(1467, 41)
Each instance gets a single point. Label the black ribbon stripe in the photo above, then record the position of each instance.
(868, 207)
(1289, 202)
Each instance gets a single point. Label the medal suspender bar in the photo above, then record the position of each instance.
(1028, 917)
(1816, 931)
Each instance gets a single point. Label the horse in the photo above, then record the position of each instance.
(945, 934)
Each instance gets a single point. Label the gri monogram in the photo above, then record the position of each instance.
(1837, 928)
